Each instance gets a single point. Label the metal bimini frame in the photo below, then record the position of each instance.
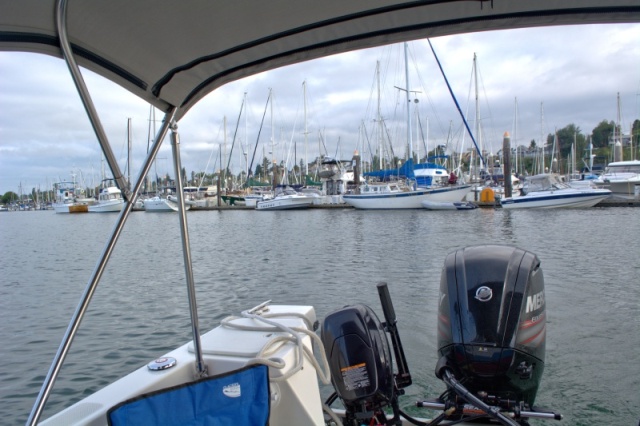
(167, 123)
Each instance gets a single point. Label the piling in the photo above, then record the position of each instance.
(506, 157)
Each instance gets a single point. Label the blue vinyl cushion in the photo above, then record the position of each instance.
(238, 398)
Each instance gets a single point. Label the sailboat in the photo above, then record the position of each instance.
(423, 182)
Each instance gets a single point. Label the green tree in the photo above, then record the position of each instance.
(601, 133)
(567, 136)
(8, 197)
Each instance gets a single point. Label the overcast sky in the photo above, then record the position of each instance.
(555, 75)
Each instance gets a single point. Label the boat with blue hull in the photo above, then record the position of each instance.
(269, 360)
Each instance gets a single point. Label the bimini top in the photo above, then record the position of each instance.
(174, 52)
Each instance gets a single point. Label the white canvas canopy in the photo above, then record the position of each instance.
(173, 53)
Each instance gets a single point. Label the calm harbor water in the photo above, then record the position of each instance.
(327, 258)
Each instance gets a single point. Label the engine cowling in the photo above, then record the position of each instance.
(492, 322)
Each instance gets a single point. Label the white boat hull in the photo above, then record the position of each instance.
(162, 205)
(556, 199)
(622, 178)
(406, 199)
(224, 350)
(449, 194)
(107, 207)
(456, 205)
(70, 208)
(285, 203)
(622, 189)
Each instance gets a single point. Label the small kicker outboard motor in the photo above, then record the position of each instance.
(492, 332)
(356, 345)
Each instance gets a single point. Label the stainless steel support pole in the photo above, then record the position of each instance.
(83, 305)
(61, 23)
(72, 329)
(201, 368)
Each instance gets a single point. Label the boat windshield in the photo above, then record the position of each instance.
(543, 182)
(622, 168)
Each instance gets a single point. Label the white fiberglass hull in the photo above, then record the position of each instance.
(566, 198)
(442, 205)
(70, 208)
(162, 205)
(285, 203)
(406, 199)
(107, 207)
(392, 200)
(622, 188)
(449, 194)
(224, 349)
(295, 392)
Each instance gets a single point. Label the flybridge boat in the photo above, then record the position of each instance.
(261, 367)
(66, 200)
(109, 200)
(546, 191)
(622, 178)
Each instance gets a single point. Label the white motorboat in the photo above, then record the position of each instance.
(261, 368)
(162, 204)
(622, 178)
(286, 199)
(392, 195)
(109, 200)
(546, 191)
(456, 205)
(386, 196)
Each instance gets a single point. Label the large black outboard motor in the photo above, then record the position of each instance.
(491, 324)
(359, 354)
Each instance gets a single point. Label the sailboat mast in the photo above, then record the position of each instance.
(273, 151)
(246, 137)
(475, 84)
(542, 141)
(515, 131)
(306, 159)
(129, 153)
(406, 77)
(617, 131)
(417, 137)
(380, 131)
(224, 139)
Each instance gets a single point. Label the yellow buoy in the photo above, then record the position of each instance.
(487, 196)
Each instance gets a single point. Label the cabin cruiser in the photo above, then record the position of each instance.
(622, 178)
(67, 200)
(260, 367)
(109, 200)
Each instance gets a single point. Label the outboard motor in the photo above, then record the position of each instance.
(492, 329)
(358, 350)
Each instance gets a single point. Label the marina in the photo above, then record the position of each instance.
(506, 315)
